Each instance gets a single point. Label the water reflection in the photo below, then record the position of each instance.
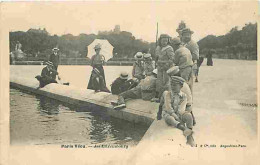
(42, 120)
(47, 106)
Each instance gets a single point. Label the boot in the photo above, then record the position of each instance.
(120, 106)
(190, 141)
(186, 131)
(194, 121)
(114, 103)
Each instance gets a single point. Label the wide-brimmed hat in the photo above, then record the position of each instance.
(176, 41)
(55, 49)
(177, 79)
(124, 75)
(147, 56)
(173, 70)
(186, 30)
(139, 55)
(155, 71)
(98, 46)
(49, 63)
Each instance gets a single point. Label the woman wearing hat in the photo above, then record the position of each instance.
(55, 58)
(164, 54)
(138, 67)
(97, 62)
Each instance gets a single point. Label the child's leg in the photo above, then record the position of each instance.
(170, 120)
(187, 118)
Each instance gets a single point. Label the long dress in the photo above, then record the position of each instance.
(96, 62)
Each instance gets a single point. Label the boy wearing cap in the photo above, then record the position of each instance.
(164, 58)
(48, 75)
(145, 90)
(174, 71)
(173, 109)
(55, 58)
(138, 67)
(149, 64)
(122, 84)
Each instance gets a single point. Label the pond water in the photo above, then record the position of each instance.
(38, 120)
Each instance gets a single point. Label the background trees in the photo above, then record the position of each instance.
(239, 44)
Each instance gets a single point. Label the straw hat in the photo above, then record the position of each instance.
(124, 75)
(139, 55)
(55, 49)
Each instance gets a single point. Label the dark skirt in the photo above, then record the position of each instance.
(93, 84)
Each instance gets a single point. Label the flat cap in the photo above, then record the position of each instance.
(177, 79)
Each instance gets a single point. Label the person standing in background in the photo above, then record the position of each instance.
(209, 58)
(55, 58)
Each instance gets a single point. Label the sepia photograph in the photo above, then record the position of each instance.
(129, 82)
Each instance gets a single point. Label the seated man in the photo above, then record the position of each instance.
(144, 90)
(98, 81)
(47, 76)
(173, 109)
(121, 84)
(174, 71)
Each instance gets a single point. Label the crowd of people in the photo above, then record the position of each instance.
(168, 79)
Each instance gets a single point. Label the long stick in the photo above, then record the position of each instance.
(157, 34)
(156, 45)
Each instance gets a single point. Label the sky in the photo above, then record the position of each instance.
(139, 18)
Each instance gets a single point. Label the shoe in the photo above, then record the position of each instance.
(196, 80)
(114, 103)
(118, 107)
(155, 100)
(194, 122)
(187, 132)
(190, 141)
